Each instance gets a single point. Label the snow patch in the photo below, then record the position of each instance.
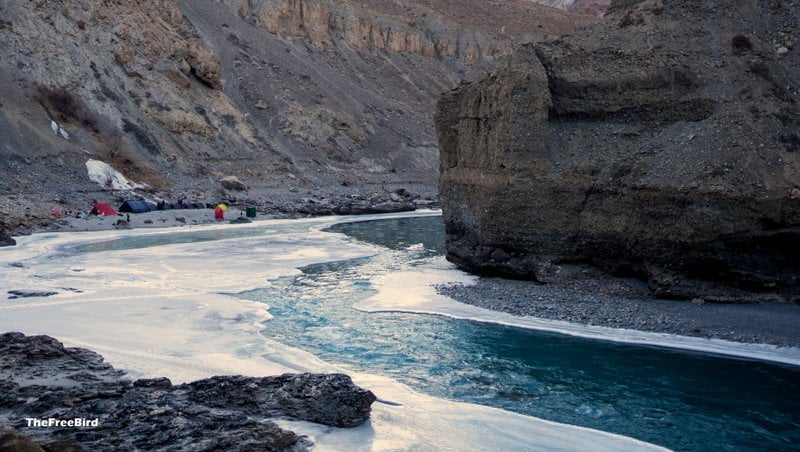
(58, 130)
(108, 177)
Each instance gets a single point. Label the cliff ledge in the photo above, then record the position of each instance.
(661, 143)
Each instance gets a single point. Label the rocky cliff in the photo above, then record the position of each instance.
(470, 32)
(330, 98)
(661, 143)
(42, 379)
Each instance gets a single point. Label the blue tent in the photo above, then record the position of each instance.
(135, 206)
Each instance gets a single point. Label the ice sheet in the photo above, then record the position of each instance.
(160, 312)
(413, 291)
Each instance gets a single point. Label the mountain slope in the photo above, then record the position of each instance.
(291, 96)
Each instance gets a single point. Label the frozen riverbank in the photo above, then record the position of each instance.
(158, 311)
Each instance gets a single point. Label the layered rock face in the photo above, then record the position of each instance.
(662, 143)
(467, 32)
(41, 379)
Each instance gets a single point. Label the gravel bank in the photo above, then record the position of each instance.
(22, 214)
(622, 303)
(155, 219)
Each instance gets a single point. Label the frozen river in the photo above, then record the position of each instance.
(330, 294)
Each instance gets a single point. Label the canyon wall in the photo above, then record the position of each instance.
(661, 144)
(468, 32)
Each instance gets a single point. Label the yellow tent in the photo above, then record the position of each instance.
(223, 207)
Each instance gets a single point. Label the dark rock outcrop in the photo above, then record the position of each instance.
(5, 237)
(660, 143)
(40, 378)
(29, 294)
(12, 441)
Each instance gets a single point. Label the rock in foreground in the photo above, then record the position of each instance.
(40, 378)
(662, 143)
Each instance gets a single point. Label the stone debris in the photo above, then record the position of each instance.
(40, 378)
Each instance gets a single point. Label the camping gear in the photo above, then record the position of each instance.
(222, 206)
(135, 206)
(219, 213)
(103, 209)
(251, 212)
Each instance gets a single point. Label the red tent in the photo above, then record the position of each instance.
(103, 209)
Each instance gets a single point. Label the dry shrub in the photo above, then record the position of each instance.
(112, 149)
(63, 106)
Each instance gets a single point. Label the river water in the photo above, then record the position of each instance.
(677, 399)
(681, 400)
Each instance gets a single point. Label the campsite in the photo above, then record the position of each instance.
(142, 213)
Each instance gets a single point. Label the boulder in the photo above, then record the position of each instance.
(232, 183)
(326, 399)
(649, 145)
(5, 236)
(204, 64)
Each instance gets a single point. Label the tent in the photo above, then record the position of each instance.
(103, 209)
(135, 206)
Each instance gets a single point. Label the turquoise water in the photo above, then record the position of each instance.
(681, 400)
